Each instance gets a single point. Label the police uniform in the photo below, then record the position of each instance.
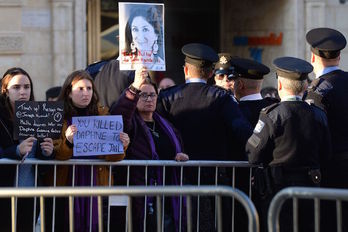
(291, 140)
(204, 115)
(329, 91)
(251, 105)
(202, 112)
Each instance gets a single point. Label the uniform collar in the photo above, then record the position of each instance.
(292, 98)
(251, 97)
(195, 80)
(326, 70)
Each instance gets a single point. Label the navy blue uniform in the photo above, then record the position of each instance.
(292, 141)
(204, 115)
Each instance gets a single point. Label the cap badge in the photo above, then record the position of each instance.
(223, 60)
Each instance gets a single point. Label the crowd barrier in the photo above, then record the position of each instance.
(315, 194)
(199, 166)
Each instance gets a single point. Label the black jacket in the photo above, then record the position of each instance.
(329, 92)
(205, 116)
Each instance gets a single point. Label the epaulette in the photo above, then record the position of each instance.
(269, 108)
(314, 84)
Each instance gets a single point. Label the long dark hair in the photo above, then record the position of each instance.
(6, 78)
(69, 108)
(153, 17)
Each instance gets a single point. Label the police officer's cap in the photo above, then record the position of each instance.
(250, 69)
(199, 55)
(223, 66)
(292, 68)
(326, 42)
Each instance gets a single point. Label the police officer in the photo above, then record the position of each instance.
(224, 72)
(202, 112)
(291, 139)
(204, 115)
(329, 91)
(247, 85)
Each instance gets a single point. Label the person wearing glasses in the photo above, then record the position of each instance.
(224, 72)
(153, 138)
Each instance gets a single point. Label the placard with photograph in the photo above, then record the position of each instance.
(141, 27)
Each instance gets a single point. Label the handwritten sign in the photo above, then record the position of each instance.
(38, 119)
(98, 135)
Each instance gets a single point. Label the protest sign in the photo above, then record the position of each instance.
(98, 135)
(38, 119)
(141, 27)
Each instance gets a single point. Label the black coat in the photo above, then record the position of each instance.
(111, 81)
(251, 109)
(290, 134)
(329, 92)
(205, 116)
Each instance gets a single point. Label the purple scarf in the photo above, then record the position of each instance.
(168, 130)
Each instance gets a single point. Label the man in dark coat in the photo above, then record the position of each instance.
(247, 85)
(111, 81)
(291, 140)
(205, 115)
(202, 112)
(329, 92)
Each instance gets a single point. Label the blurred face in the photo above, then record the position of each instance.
(222, 81)
(143, 34)
(148, 99)
(81, 93)
(166, 83)
(18, 89)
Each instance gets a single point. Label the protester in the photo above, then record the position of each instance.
(153, 138)
(80, 99)
(165, 83)
(292, 141)
(18, 86)
(53, 93)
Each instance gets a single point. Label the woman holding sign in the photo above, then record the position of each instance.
(16, 85)
(81, 99)
(153, 138)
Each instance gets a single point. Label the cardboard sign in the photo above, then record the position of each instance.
(98, 135)
(38, 119)
(141, 29)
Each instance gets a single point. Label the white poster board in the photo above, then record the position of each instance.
(141, 27)
(97, 135)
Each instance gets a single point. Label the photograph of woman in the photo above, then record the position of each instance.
(142, 39)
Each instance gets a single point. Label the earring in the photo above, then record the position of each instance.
(155, 48)
(133, 49)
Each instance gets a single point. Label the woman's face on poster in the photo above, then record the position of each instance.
(143, 34)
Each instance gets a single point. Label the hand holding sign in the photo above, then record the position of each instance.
(47, 146)
(140, 76)
(70, 132)
(124, 139)
(26, 146)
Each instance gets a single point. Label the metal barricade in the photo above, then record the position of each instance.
(146, 164)
(187, 191)
(296, 193)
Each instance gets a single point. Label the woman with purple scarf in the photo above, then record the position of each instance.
(80, 99)
(153, 138)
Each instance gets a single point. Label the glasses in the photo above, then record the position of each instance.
(145, 96)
